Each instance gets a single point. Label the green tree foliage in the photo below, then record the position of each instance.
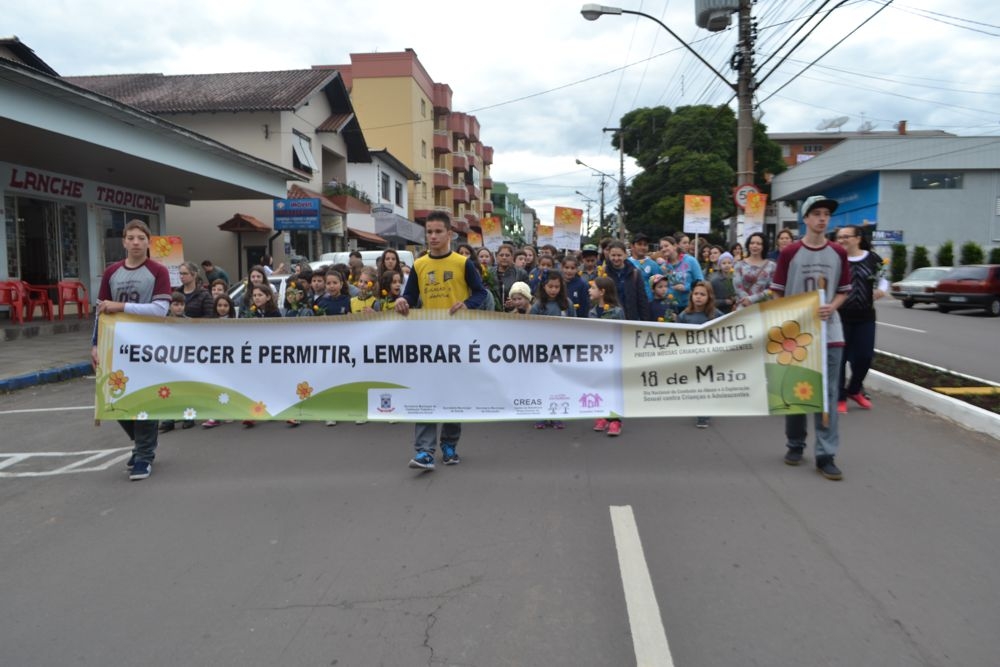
(920, 257)
(946, 254)
(897, 266)
(995, 255)
(690, 150)
(971, 253)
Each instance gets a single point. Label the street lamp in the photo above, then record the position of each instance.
(743, 87)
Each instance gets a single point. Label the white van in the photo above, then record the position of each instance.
(369, 257)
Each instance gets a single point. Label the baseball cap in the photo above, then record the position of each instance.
(655, 278)
(522, 289)
(640, 238)
(590, 249)
(818, 200)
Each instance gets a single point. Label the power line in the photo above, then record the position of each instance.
(792, 36)
(759, 81)
(822, 55)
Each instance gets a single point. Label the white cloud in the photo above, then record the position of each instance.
(492, 53)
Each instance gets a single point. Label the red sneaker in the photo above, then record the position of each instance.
(842, 407)
(615, 428)
(861, 401)
(601, 425)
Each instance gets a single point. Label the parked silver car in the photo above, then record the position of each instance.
(918, 287)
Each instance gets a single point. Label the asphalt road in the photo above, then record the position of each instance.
(967, 341)
(318, 546)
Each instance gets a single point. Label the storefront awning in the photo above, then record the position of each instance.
(367, 237)
(242, 222)
(397, 227)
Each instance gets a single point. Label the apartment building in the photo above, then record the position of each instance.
(403, 109)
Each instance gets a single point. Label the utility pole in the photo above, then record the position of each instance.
(745, 171)
(600, 223)
(621, 180)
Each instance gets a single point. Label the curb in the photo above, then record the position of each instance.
(57, 374)
(961, 413)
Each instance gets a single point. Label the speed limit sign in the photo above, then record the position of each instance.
(740, 193)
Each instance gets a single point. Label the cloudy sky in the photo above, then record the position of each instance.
(543, 81)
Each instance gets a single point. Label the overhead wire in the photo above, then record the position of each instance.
(824, 54)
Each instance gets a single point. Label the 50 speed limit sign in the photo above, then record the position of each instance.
(740, 193)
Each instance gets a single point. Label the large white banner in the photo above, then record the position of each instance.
(473, 366)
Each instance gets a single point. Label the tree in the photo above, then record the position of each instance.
(920, 257)
(691, 150)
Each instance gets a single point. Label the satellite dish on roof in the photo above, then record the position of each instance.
(866, 126)
(832, 123)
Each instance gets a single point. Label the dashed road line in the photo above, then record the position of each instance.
(649, 639)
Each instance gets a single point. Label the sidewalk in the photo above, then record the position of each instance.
(41, 351)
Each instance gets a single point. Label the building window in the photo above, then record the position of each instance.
(399, 193)
(812, 148)
(423, 148)
(423, 108)
(935, 180)
(385, 188)
(302, 156)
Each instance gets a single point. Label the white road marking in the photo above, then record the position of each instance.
(648, 636)
(31, 410)
(107, 458)
(896, 326)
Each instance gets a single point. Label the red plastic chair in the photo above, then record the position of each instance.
(73, 291)
(10, 295)
(35, 297)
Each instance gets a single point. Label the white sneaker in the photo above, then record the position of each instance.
(331, 423)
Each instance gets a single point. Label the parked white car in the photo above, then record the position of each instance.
(278, 284)
(369, 257)
(918, 287)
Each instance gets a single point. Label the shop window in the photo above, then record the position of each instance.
(930, 180)
(302, 156)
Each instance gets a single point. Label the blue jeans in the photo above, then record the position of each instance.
(859, 351)
(827, 438)
(144, 434)
(427, 436)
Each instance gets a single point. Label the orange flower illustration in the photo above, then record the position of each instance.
(258, 409)
(788, 342)
(163, 392)
(303, 390)
(117, 382)
(163, 246)
(803, 391)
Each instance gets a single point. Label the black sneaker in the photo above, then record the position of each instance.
(448, 454)
(826, 467)
(140, 470)
(130, 463)
(702, 422)
(166, 426)
(187, 424)
(793, 456)
(424, 460)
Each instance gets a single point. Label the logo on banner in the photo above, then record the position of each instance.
(591, 401)
(385, 403)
